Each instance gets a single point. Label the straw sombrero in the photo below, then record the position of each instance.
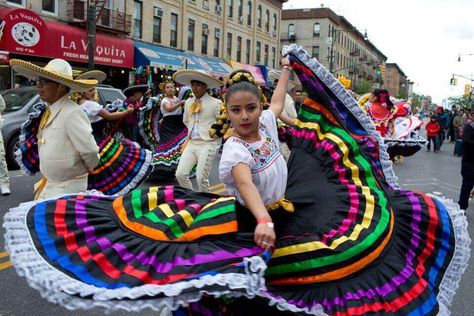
(275, 75)
(185, 76)
(139, 87)
(93, 74)
(57, 70)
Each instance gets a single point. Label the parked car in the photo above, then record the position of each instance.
(19, 103)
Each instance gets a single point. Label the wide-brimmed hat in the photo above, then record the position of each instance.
(185, 76)
(139, 87)
(275, 75)
(93, 74)
(57, 70)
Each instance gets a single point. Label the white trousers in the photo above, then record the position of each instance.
(201, 153)
(55, 188)
(3, 163)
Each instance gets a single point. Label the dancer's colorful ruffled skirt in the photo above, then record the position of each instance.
(162, 242)
(148, 122)
(353, 245)
(173, 136)
(123, 165)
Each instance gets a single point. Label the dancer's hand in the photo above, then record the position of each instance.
(264, 235)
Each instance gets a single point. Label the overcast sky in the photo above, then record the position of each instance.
(424, 37)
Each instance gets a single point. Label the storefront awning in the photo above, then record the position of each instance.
(255, 71)
(157, 56)
(214, 66)
(26, 33)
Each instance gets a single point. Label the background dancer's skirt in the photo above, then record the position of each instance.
(353, 245)
(173, 136)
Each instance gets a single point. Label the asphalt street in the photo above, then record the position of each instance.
(428, 172)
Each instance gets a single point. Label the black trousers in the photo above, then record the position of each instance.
(467, 172)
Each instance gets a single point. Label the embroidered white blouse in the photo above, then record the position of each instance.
(269, 170)
(92, 110)
(173, 101)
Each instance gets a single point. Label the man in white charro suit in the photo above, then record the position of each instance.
(200, 112)
(67, 149)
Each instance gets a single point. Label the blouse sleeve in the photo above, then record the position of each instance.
(233, 153)
(91, 108)
(269, 121)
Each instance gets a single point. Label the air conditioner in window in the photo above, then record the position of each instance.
(218, 9)
(205, 31)
(241, 19)
(218, 33)
(205, 5)
(274, 33)
(158, 12)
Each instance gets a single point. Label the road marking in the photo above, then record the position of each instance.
(219, 185)
(219, 191)
(5, 265)
(3, 254)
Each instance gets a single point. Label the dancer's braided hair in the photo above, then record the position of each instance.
(239, 80)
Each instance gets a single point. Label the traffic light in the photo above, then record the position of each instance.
(382, 69)
(453, 81)
(467, 89)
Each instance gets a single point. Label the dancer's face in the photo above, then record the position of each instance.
(244, 110)
(169, 90)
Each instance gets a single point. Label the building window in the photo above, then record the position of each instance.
(217, 37)
(156, 29)
(50, 6)
(257, 52)
(230, 8)
(19, 2)
(291, 30)
(273, 57)
(315, 53)
(259, 17)
(174, 30)
(191, 27)
(239, 49)
(205, 4)
(229, 46)
(249, 13)
(316, 30)
(205, 35)
(241, 9)
(137, 19)
(274, 23)
(267, 21)
(247, 54)
(265, 56)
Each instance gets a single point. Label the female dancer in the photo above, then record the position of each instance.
(380, 110)
(172, 131)
(353, 245)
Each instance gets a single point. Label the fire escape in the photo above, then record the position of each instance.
(106, 19)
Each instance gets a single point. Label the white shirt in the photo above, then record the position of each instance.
(195, 130)
(172, 101)
(92, 110)
(269, 171)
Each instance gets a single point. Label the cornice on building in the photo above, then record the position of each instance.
(395, 65)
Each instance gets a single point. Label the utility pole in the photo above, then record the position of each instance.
(91, 33)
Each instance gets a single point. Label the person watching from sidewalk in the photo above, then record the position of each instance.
(4, 181)
(200, 112)
(467, 164)
(432, 131)
(67, 150)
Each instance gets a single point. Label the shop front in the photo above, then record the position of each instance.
(25, 35)
(154, 64)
